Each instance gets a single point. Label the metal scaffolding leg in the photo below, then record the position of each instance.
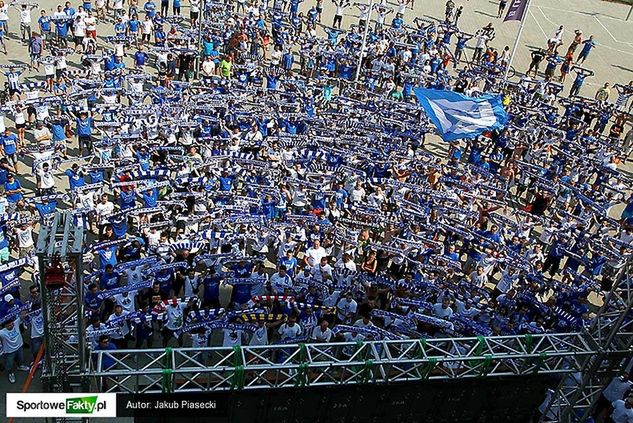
(65, 359)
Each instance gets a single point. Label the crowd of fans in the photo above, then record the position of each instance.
(267, 189)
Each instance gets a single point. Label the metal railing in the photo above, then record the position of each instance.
(280, 366)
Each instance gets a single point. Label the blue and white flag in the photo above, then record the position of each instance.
(458, 116)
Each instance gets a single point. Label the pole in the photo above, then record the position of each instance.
(364, 45)
(201, 10)
(516, 41)
(630, 11)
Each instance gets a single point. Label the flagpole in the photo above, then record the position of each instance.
(516, 41)
(364, 45)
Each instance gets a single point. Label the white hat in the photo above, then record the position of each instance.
(8, 298)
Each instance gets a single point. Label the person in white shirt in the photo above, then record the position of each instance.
(127, 301)
(104, 209)
(232, 337)
(346, 308)
(12, 344)
(321, 333)
(323, 270)
(363, 322)
(36, 332)
(25, 22)
(290, 329)
(314, 254)
(260, 335)
(119, 338)
(280, 281)
(443, 310)
(175, 313)
(358, 193)
(478, 277)
(24, 235)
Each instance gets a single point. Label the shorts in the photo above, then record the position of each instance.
(79, 39)
(194, 15)
(84, 141)
(92, 34)
(20, 125)
(12, 158)
(13, 91)
(35, 57)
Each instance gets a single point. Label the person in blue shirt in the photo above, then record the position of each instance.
(13, 189)
(290, 262)
(75, 177)
(45, 208)
(150, 8)
(127, 198)
(581, 75)
(44, 22)
(211, 290)
(107, 362)
(140, 57)
(109, 279)
(150, 197)
(226, 181)
(10, 145)
(107, 256)
(588, 45)
(84, 126)
(268, 207)
(133, 28)
(120, 27)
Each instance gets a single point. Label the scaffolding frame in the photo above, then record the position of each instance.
(611, 337)
(65, 360)
(386, 361)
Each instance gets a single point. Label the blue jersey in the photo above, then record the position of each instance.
(9, 144)
(45, 23)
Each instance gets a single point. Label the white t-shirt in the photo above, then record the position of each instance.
(259, 337)
(122, 325)
(91, 23)
(103, 211)
(11, 339)
(231, 338)
(175, 316)
(200, 340)
(25, 237)
(25, 16)
(315, 255)
(47, 180)
(4, 13)
(320, 335)
(289, 332)
(127, 302)
(344, 308)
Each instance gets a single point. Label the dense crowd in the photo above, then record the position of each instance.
(265, 188)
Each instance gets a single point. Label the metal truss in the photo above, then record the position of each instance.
(611, 337)
(62, 308)
(280, 366)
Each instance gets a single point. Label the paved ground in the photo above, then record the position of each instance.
(611, 61)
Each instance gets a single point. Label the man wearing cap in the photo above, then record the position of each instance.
(9, 306)
(12, 348)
